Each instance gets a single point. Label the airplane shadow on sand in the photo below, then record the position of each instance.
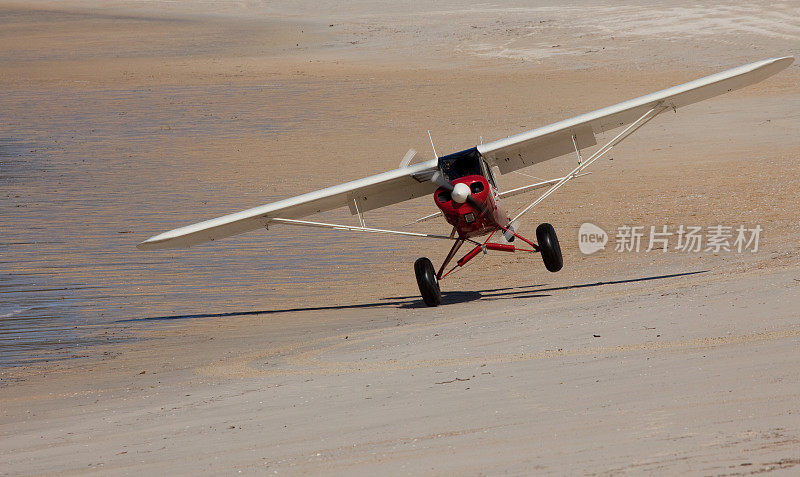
(414, 301)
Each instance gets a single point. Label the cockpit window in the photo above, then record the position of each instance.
(460, 164)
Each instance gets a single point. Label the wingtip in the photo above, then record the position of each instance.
(772, 65)
(146, 245)
(153, 243)
(781, 61)
(166, 241)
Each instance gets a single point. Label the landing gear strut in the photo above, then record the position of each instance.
(428, 278)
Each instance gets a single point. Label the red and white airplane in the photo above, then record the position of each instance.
(464, 187)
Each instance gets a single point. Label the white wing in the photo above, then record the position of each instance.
(369, 193)
(554, 140)
(509, 154)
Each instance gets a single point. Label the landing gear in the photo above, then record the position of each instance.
(428, 278)
(428, 284)
(549, 248)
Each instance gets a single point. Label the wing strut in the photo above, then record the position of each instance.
(324, 225)
(358, 211)
(644, 119)
(577, 150)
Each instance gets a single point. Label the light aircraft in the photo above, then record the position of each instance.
(464, 184)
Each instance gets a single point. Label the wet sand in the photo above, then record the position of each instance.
(302, 352)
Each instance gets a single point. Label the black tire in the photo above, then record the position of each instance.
(427, 282)
(549, 248)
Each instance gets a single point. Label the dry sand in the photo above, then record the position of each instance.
(293, 352)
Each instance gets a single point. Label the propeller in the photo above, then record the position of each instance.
(439, 179)
(408, 158)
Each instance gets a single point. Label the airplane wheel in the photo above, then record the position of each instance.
(427, 282)
(549, 248)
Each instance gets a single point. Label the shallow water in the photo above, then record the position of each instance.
(87, 174)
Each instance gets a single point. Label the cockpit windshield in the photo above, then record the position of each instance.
(460, 164)
(465, 163)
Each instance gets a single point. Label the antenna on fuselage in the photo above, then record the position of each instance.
(432, 146)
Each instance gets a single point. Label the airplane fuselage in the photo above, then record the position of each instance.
(479, 216)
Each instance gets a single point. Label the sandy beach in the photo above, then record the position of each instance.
(310, 352)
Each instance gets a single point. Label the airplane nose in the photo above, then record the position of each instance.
(460, 193)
